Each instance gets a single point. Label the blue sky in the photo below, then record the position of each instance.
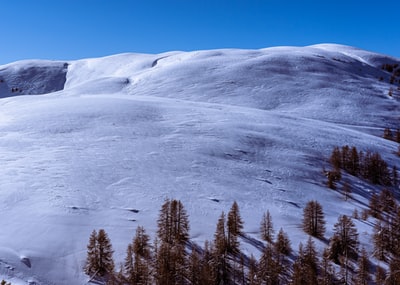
(74, 29)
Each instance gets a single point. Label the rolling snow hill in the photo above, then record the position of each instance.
(100, 143)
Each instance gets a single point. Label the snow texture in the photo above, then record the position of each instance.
(110, 138)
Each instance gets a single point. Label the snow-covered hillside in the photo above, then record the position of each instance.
(124, 132)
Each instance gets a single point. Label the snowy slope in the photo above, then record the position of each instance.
(124, 132)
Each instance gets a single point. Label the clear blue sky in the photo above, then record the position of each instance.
(74, 29)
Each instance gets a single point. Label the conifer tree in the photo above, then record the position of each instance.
(363, 269)
(336, 158)
(208, 272)
(234, 228)
(137, 262)
(105, 252)
(92, 258)
(314, 219)
(195, 268)
(267, 228)
(129, 266)
(282, 244)
(252, 272)
(311, 262)
(99, 260)
(269, 269)
(220, 259)
(299, 269)
(380, 240)
(220, 240)
(327, 276)
(173, 233)
(374, 206)
(345, 239)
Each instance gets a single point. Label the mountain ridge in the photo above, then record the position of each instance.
(206, 127)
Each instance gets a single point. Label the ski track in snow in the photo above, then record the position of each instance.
(207, 127)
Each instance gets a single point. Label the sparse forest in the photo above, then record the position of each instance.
(172, 259)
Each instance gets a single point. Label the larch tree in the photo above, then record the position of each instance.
(345, 239)
(92, 258)
(105, 254)
(363, 277)
(266, 227)
(234, 228)
(173, 233)
(314, 219)
(311, 262)
(129, 266)
(282, 243)
(99, 260)
(327, 275)
(269, 269)
(195, 268)
(138, 259)
(221, 250)
(299, 276)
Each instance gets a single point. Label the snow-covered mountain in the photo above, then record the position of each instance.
(100, 143)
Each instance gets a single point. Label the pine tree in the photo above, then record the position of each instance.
(363, 269)
(220, 240)
(137, 262)
(208, 273)
(380, 240)
(282, 244)
(311, 262)
(92, 258)
(333, 177)
(266, 228)
(269, 269)
(252, 272)
(220, 255)
(314, 219)
(234, 228)
(164, 265)
(344, 244)
(327, 271)
(374, 206)
(129, 266)
(345, 239)
(195, 268)
(173, 223)
(336, 158)
(299, 269)
(105, 252)
(354, 162)
(173, 233)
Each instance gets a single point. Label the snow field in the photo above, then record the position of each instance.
(206, 127)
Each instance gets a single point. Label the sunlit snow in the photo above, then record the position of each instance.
(86, 142)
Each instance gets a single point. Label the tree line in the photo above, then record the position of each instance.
(172, 259)
(368, 165)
